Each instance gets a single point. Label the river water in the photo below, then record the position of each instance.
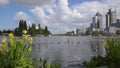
(67, 50)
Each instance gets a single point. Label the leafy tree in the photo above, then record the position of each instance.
(46, 32)
(95, 33)
(7, 31)
(118, 32)
(22, 26)
(0, 32)
(32, 30)
(40, 30)
(4, 31)
(16, 32)
(112, 58)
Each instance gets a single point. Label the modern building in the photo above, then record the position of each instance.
(97, 22)
(118, 21)
(112, 23)
(111, 17)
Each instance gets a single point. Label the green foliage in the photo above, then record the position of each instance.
(95, 33)
(22, 26)
(46, 32)
(113, 52)
(112, 58)
(14, 53)
(31, 30)
(95, 62)
(118, 32)
(0, 32)
(45, 63)
(6, 31)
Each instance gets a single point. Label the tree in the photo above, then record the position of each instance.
(0, 32)
(118, 32)
(32, 30)
(95, 33)
(40, 30)
(46, 32)
(16, 32)
(22, 26)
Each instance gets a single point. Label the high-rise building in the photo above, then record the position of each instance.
(111, 17)
(97, 21)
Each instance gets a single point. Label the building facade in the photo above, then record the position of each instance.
(111, 17)
(97, 22)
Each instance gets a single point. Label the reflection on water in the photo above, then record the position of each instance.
(68, 50)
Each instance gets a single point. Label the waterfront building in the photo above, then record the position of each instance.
(112, 23)
(111, 17)
(80, 32)
(70, 33)
(97, 22)
(118, 21)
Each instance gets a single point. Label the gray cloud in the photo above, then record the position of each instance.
(34, 2)
(4, 2)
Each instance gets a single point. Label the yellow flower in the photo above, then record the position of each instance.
(24, 31)
(104, 42)
(11, 35)
(20, 41)
(30, 40)
(4, 40)
(11, 40)
(29, 49)
(25, 37)
(3, 46)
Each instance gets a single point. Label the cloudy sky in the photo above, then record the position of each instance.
(58, 15)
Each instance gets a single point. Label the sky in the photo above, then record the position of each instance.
(58, 15)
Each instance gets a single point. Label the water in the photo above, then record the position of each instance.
(68, 50)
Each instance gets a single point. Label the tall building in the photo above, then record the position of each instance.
(97, 21)
(111, 17)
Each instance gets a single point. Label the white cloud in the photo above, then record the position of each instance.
(34, 2)
(112, 3)
(22, 16)
(59, 17)
(4, 2)
(64, 18)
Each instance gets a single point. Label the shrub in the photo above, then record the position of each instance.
(16, 53)
(112, 58)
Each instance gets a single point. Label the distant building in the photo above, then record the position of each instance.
(80, 32)
(114, 28)
(112, 23)
(111, 17)
(118, 21)
(70, 33)
(97, 22)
